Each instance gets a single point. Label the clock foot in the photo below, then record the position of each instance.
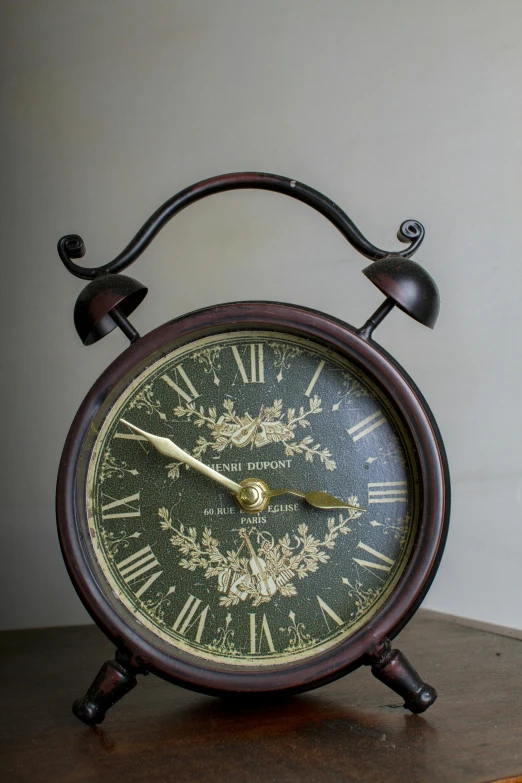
(114, 680)
(394, 670)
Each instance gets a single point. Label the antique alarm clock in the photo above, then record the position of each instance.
(254, 497)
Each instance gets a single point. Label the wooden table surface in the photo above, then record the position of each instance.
(352, 730)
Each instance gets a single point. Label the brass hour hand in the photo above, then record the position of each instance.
(317, 499)
(169, 449)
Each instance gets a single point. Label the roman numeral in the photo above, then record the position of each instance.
(315, 376)
(387, 492)
(135, 567)
(385, 565)
(256, 364)
(327, 610)
(184, 619)
(255, 646)
(192, 395)
(128, 511)
(367, 425)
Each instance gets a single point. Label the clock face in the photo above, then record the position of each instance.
(251, 589)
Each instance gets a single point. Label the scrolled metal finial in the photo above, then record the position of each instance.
(411, 231)
(72, 246)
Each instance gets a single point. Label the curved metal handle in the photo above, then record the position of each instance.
(72, 246)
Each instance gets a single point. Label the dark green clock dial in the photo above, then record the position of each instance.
(252, 589)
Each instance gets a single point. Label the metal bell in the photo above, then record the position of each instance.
(92, 312)
(408, 285)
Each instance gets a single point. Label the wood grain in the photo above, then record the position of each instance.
(353, 730)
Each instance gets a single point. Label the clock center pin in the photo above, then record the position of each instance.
(254, 496)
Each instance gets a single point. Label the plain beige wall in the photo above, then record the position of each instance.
(406, 109)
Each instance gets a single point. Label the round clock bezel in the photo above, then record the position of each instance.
(189, 670)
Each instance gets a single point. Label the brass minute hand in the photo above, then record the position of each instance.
(169, 449)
